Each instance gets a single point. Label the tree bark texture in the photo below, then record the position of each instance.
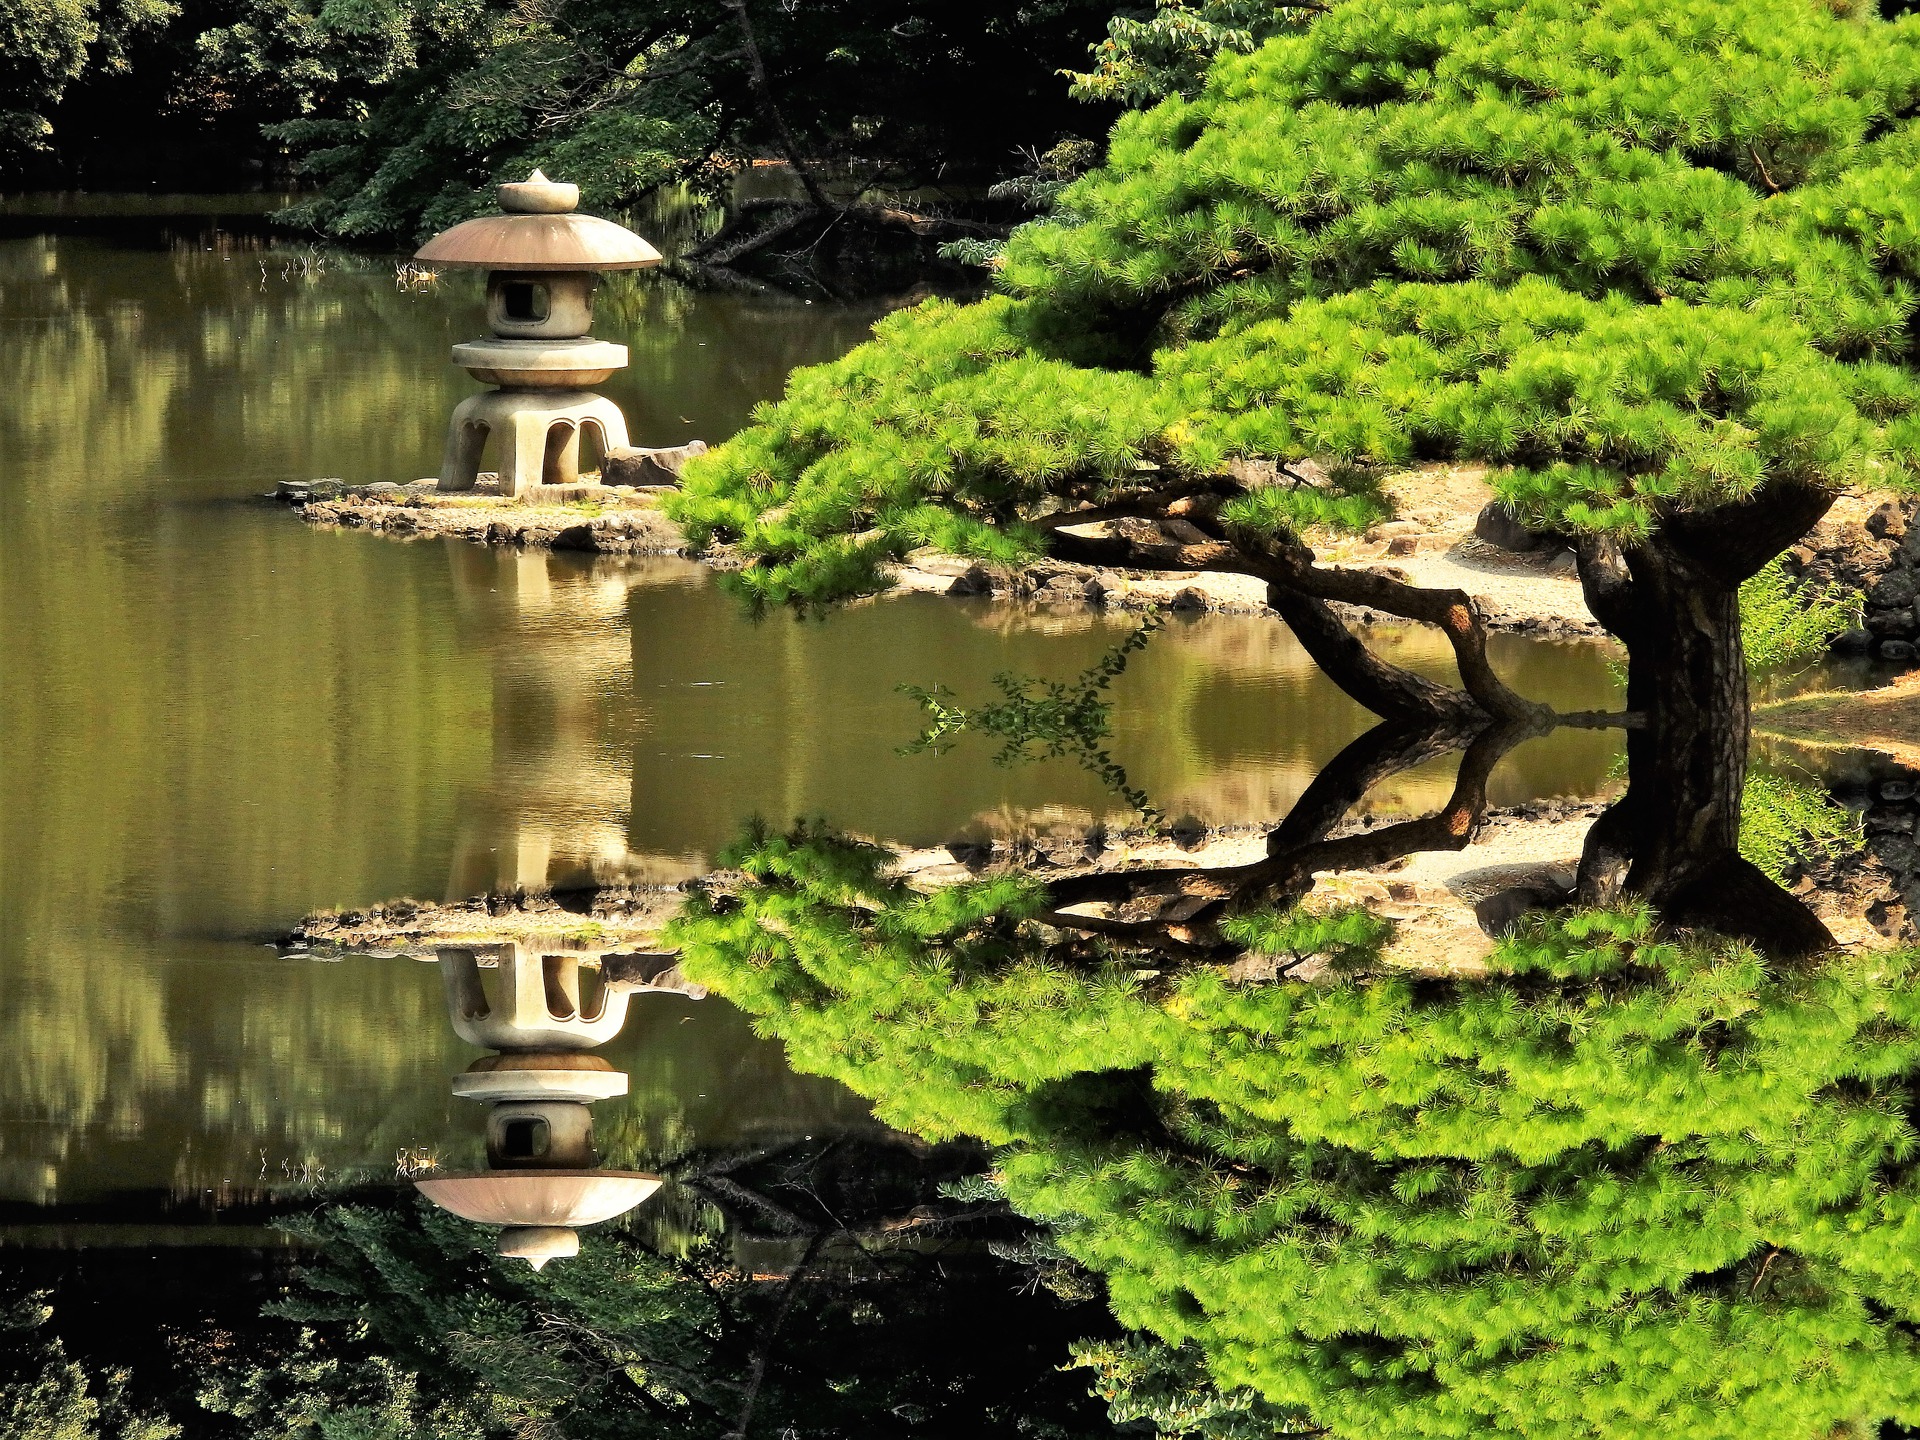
(1673, 840)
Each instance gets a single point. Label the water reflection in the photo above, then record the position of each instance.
(215, 721)
(1604, 1170)
(543, 1177)
(1366, 1123)
(1362, 1123)
(639, 719)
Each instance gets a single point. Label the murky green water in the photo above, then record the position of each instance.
(213, 719)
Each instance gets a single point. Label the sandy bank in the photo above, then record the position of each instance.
(1887, 720)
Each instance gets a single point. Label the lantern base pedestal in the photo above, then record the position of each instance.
(540, 435)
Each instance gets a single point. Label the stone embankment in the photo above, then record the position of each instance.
(602, 919)
(1880, 882)
(1449, 907)
(616, 521)
(1871, 546)
(1431, 541)
(1447, 904)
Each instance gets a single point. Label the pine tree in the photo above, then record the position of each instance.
(1653, 260)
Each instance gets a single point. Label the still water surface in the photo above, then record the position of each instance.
(214, 720)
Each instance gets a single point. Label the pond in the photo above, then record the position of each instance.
(215, 720)
(983, 1106)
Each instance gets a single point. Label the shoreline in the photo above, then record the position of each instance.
(601, 919)
(1885, 720)
(1431, 543)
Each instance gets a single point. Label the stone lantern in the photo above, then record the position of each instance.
(543, 1179)
(543, 261)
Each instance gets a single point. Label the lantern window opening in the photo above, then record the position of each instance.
(526, 301)
(525, 1139)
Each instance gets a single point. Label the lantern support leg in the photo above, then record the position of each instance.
(466, 441)
(541, 430)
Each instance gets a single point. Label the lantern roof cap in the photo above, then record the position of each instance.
(539, 1198)
(540, 231)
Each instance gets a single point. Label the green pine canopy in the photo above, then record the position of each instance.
(1645, 256)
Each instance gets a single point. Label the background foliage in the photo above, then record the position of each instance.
(402, 112)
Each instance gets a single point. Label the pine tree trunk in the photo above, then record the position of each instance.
(1674, 839)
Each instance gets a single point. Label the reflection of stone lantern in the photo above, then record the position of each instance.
(542, 1179)
(543, 261)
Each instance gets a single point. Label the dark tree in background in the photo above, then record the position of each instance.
(403, 111)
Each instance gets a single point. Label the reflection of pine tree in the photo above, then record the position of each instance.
(1623, 1183)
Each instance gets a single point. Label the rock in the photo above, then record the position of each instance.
(649, 971)
(1888, 919)
(971, 581)
(1388, 529)
(1565, 563)
(1312, 970)
(1899, 853)
(1897, 588)
(1496, 525)
(1857, 641)
(631, 465)
(1898, 624)
(1499, 913)
(1404, 545)
(1896, 650)
(1188, 598)
(380, 487)
(327, 489)
(1204, 506)
(1887, 523)
(1183, 531)
(1137, 530)
(1896, 792)
(931, 562)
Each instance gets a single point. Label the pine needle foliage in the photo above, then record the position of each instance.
(1784, 621)
(1784, 821)
(1624, 1183)
(1644, 256)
